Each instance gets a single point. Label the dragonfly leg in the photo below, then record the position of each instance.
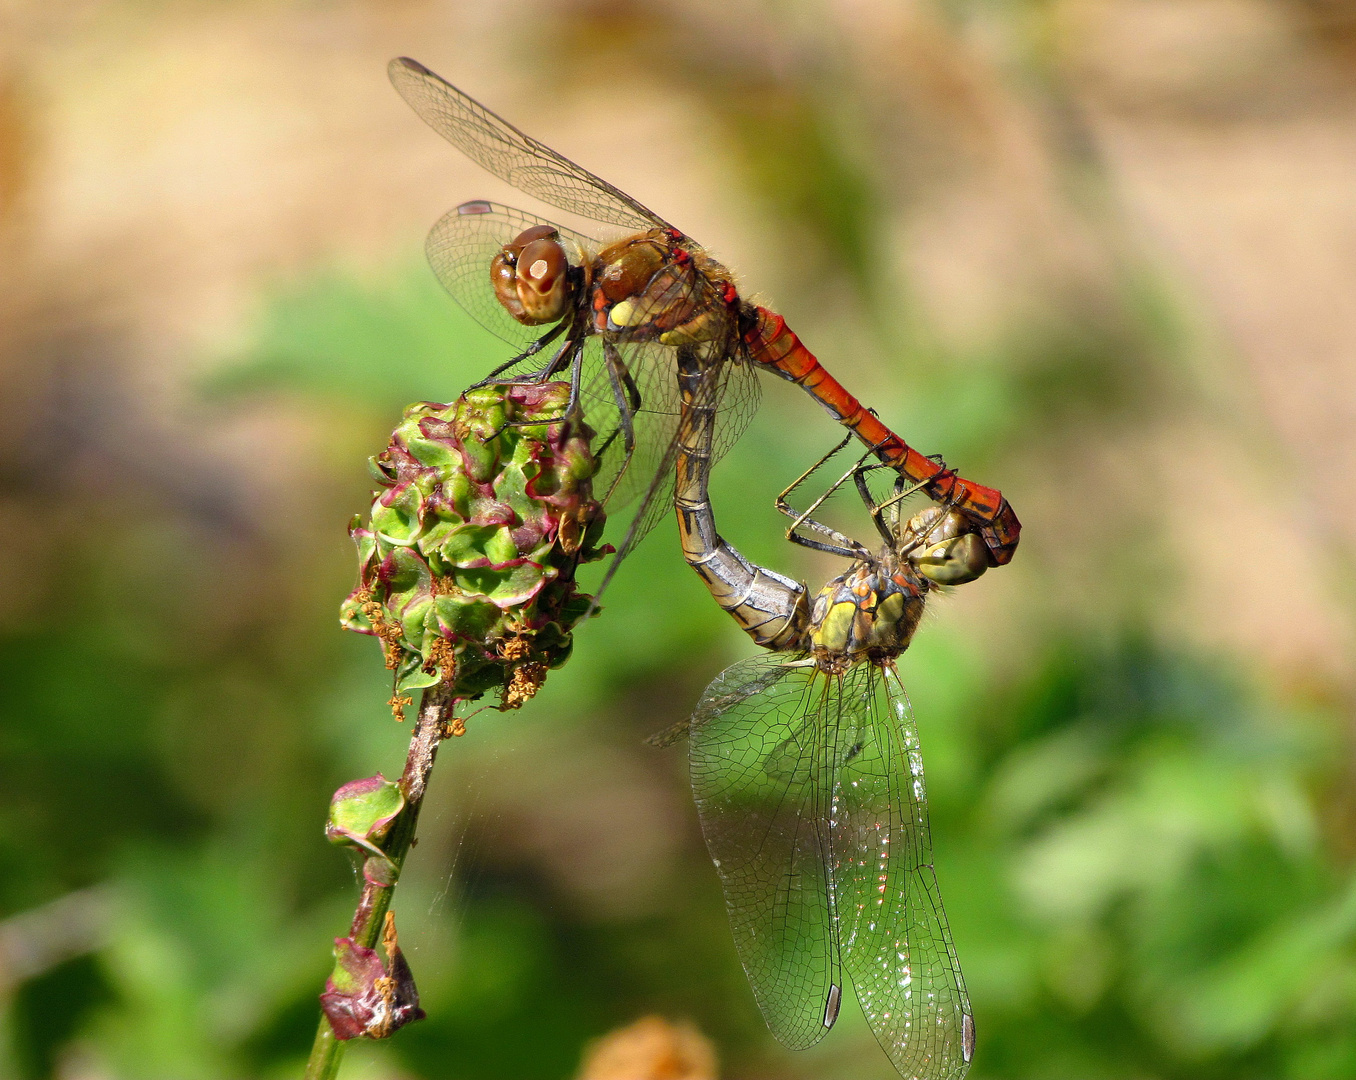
(773, 344)
(841, 545)
(576, 378)
(626, 395)
(531, 350)
(948, 555)
(877, 509)
(569, 353)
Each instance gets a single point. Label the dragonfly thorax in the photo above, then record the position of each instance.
(654, 286)
(651, 288)
(869, 613)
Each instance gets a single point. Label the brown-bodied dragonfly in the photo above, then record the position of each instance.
(808, 776)
(611, 316)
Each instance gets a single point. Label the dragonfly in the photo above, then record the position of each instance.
(610, 315)
(807, 772)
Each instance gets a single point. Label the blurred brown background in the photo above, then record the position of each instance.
(1100, 253)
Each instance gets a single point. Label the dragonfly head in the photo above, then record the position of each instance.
(531, 276)
(943, 546)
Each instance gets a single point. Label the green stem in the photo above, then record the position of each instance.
(435, 710)
(326, 1053)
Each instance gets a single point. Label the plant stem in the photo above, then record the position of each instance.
(435, 710)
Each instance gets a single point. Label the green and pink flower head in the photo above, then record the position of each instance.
(468, 557)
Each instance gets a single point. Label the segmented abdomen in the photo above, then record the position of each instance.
(770, 608)
(774, 344)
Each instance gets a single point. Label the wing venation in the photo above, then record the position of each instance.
(512, 155)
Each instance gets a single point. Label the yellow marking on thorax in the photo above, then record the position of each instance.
(623, 313)
(835, 629)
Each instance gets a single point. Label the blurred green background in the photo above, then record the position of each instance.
(1099, 253)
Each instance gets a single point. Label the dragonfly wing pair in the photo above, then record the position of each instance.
(635, 421)
(811, 797)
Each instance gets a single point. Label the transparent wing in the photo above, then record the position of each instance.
(739, 398)
(647, 477)
(896, 944)
(762, 783)
(648, 373)
(512, 156)
(460, 248)
(811, 797)
(655, 422)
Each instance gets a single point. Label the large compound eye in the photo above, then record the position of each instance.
(543, 281)
(530, 276)
(527, 236)
(954, 561)
(502, 275)
(931, 525)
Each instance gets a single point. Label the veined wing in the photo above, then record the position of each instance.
(762, 780)
(647, 473)
(731, 386)
(460, 248)
(647, 476)
(519, 159)
(810, 792)
(896, 944)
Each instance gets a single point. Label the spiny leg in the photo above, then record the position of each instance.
(570, 349)
(843, 545)
(877, 510)
(954, 559)
(531, 350)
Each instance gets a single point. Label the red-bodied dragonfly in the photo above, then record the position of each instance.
(808, 776)
(612, 316)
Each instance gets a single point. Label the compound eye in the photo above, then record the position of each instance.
(527, 236)
(953, 561)
(534, 289)
(933, 525)
(503, 274)
(542, 280)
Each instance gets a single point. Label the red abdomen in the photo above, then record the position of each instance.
(773, 344)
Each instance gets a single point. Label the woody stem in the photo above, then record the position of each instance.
(435, 712)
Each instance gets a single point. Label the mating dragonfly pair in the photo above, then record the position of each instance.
(805, 761)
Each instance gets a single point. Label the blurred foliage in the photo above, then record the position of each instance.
(1130, 839)
(1141, 847)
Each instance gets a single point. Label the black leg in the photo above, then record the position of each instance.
(626, 396)
(570, 353)
(531, 350)
(842, 545)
